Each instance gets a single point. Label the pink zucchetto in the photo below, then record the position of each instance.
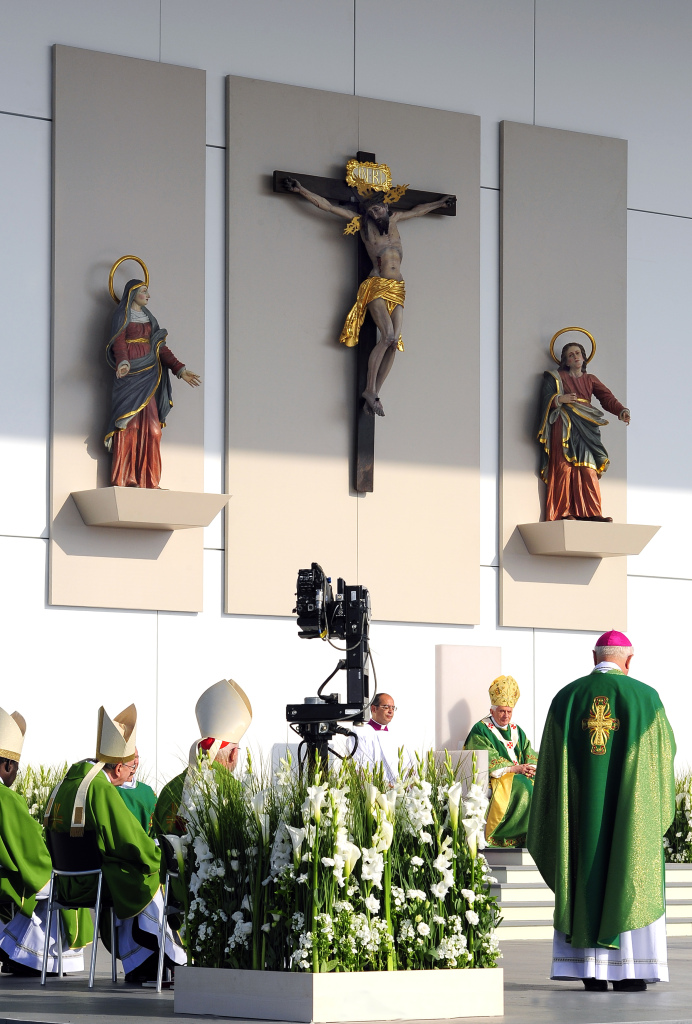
(613, 639)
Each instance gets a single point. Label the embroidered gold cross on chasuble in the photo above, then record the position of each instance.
(600, 724)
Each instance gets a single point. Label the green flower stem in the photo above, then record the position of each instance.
(388, 905)
(313, 915)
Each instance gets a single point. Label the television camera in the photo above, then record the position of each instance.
(325, 615)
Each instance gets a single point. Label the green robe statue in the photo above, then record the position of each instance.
(141, 799)
(131, 858)
(603, 800)
(508, 814)
(25, 866)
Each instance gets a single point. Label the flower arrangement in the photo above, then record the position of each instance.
(336, 871)
(677, 842)
(37, 784)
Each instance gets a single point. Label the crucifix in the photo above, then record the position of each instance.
(373, 214)
(600, 724)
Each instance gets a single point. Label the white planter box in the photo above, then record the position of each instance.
(366, 996)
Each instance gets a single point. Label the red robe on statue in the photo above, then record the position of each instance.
(137, 448)
(574, 490)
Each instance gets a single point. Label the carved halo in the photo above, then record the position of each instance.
(115, 267)
(564, 329)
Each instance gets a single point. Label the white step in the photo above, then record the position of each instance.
(520, 875)
(511, 930)
(534, 910)
(508, 858)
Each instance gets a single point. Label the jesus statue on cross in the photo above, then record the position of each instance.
(383, 291)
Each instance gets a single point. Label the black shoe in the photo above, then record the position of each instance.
(146, 971)
(629, 985)
(21, 970)
(595, 985)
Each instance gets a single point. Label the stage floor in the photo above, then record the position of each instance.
(530, 997)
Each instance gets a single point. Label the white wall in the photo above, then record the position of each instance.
(620, 69)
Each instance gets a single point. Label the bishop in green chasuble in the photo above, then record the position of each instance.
(603, 800)
(87, 800)
(141, 800)
(25, 870)
(511, 764)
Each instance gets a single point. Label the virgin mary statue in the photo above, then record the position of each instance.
(141, 396)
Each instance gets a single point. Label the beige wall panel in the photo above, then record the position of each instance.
(129, 177)
(290, 276)
(418, 531)
(563, 264)
(462, 678)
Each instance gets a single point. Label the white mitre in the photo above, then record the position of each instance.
(116, 738)
(224, 712)
(12, 732)
(116, 741)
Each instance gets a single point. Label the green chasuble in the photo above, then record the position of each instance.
(141, 799)
(25, 865)
(508, 814)
(130, 858)
(165, 820)
(603, 800)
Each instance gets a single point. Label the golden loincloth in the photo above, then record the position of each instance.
(393, 293)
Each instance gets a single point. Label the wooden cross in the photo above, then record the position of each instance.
(337, 191)
(600, 724)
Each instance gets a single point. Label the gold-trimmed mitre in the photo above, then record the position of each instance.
(224, 712)
(504, 692)
(116, 738)
(12, 732)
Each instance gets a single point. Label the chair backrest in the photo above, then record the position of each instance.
(169, 856)
(73, 853)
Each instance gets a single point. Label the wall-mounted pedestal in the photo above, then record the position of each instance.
(139, 508)
(569, 538)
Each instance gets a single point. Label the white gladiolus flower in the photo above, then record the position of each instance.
(439, 890)
(387, 801)
(372, 904)
(297, 838)
(351, 854)
(258, 803)
(384, 837)
(425, 837)
(475, 834)
(312, 808)
(328, 862)
(472, 917)
(371, 793)
(373, 866)
(454, 799)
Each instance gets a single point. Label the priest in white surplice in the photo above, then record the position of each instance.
(377, 743)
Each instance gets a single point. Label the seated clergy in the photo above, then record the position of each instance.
(86, 800)
(140, 798)
(511, 763)
(25, 869)
(224, 714)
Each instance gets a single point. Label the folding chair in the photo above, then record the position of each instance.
(75, 857)
(170, 904)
